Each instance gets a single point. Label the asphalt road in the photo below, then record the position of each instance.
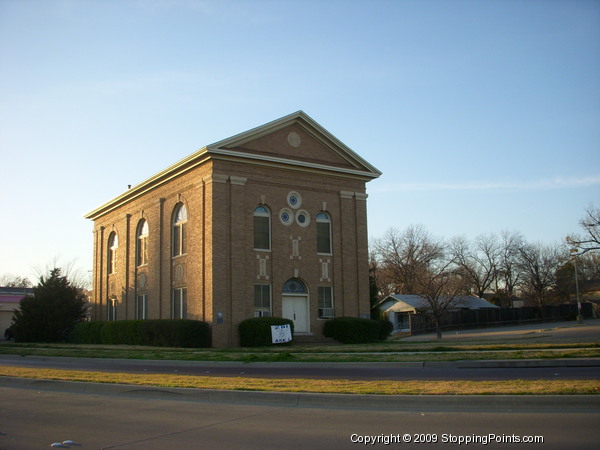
(467, 370)
(37, 414)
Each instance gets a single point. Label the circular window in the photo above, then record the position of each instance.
(286, 216)
(302, 218)
(294, 200)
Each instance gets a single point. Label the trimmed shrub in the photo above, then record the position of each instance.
(256, 332)
(160, 333)
(385, 329)
(352, 330)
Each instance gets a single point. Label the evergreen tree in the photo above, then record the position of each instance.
(51, 312)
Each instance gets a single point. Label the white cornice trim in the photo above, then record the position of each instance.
(363, 170)
(309, 125)
(232, 154)
(164, 176)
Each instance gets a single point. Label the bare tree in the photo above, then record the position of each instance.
(414, 262)
(439, 285)
(539, 264)
(403, 256)
(508, 274)
(478, 261)
(590, 240)
(8, 280)
(77, 277)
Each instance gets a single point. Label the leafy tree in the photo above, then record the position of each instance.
(51, 312)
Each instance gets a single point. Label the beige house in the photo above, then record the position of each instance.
(270, 222)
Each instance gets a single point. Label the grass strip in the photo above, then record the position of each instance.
(325, 386)
(301, 354)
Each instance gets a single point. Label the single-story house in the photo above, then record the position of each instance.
(398, 308)
(9, 303)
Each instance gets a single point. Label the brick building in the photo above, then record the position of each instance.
(271, 221)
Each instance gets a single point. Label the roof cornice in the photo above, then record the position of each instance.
(164, 176)
(218, 151)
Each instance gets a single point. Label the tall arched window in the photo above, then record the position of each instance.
(113, 245)
(323, 233)
(262, 228)
(141, 246)
(180, 218)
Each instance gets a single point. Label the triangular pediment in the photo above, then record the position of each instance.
(298, 140)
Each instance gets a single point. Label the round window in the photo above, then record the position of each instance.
(294, 200)
(302, 218)
(286, 216)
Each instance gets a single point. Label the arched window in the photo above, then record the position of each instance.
(141, 246)
(262, 228)
(294, 286)
(113, 245)
(180, 218)
(323, 233)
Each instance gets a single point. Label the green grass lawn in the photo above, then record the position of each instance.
(391, 351)
(329, 386)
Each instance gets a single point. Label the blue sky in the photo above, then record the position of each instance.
(482, 115)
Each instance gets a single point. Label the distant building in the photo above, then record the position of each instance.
(398, 308)
(271, 221)
(9, 303)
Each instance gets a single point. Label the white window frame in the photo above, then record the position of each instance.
(113, 245)
(141, 247)
(263, 311)
(323, 218)
(261, 211)
(325, 311)
(112, 309)
(179, 303)
(141, 307)
(179, 235)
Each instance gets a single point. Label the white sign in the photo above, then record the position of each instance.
(281, 334)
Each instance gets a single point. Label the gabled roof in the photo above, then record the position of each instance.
(245, 147)
(408, 303)
(350, 162)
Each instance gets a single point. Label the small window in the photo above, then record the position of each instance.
(325, 303)
(303, 218)
(294, 199)
(262, 300)
(141, 307)
(286, 216)
(262, 228)
(323, 233)
(180, 219)
(113, 245)
(141, 248)
(179, 303)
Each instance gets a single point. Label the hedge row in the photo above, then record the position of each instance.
(256, 332)
(160, 333)
(352, 330)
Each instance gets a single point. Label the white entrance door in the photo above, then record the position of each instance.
(295, 308)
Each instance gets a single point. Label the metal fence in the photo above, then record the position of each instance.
(475, 318)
